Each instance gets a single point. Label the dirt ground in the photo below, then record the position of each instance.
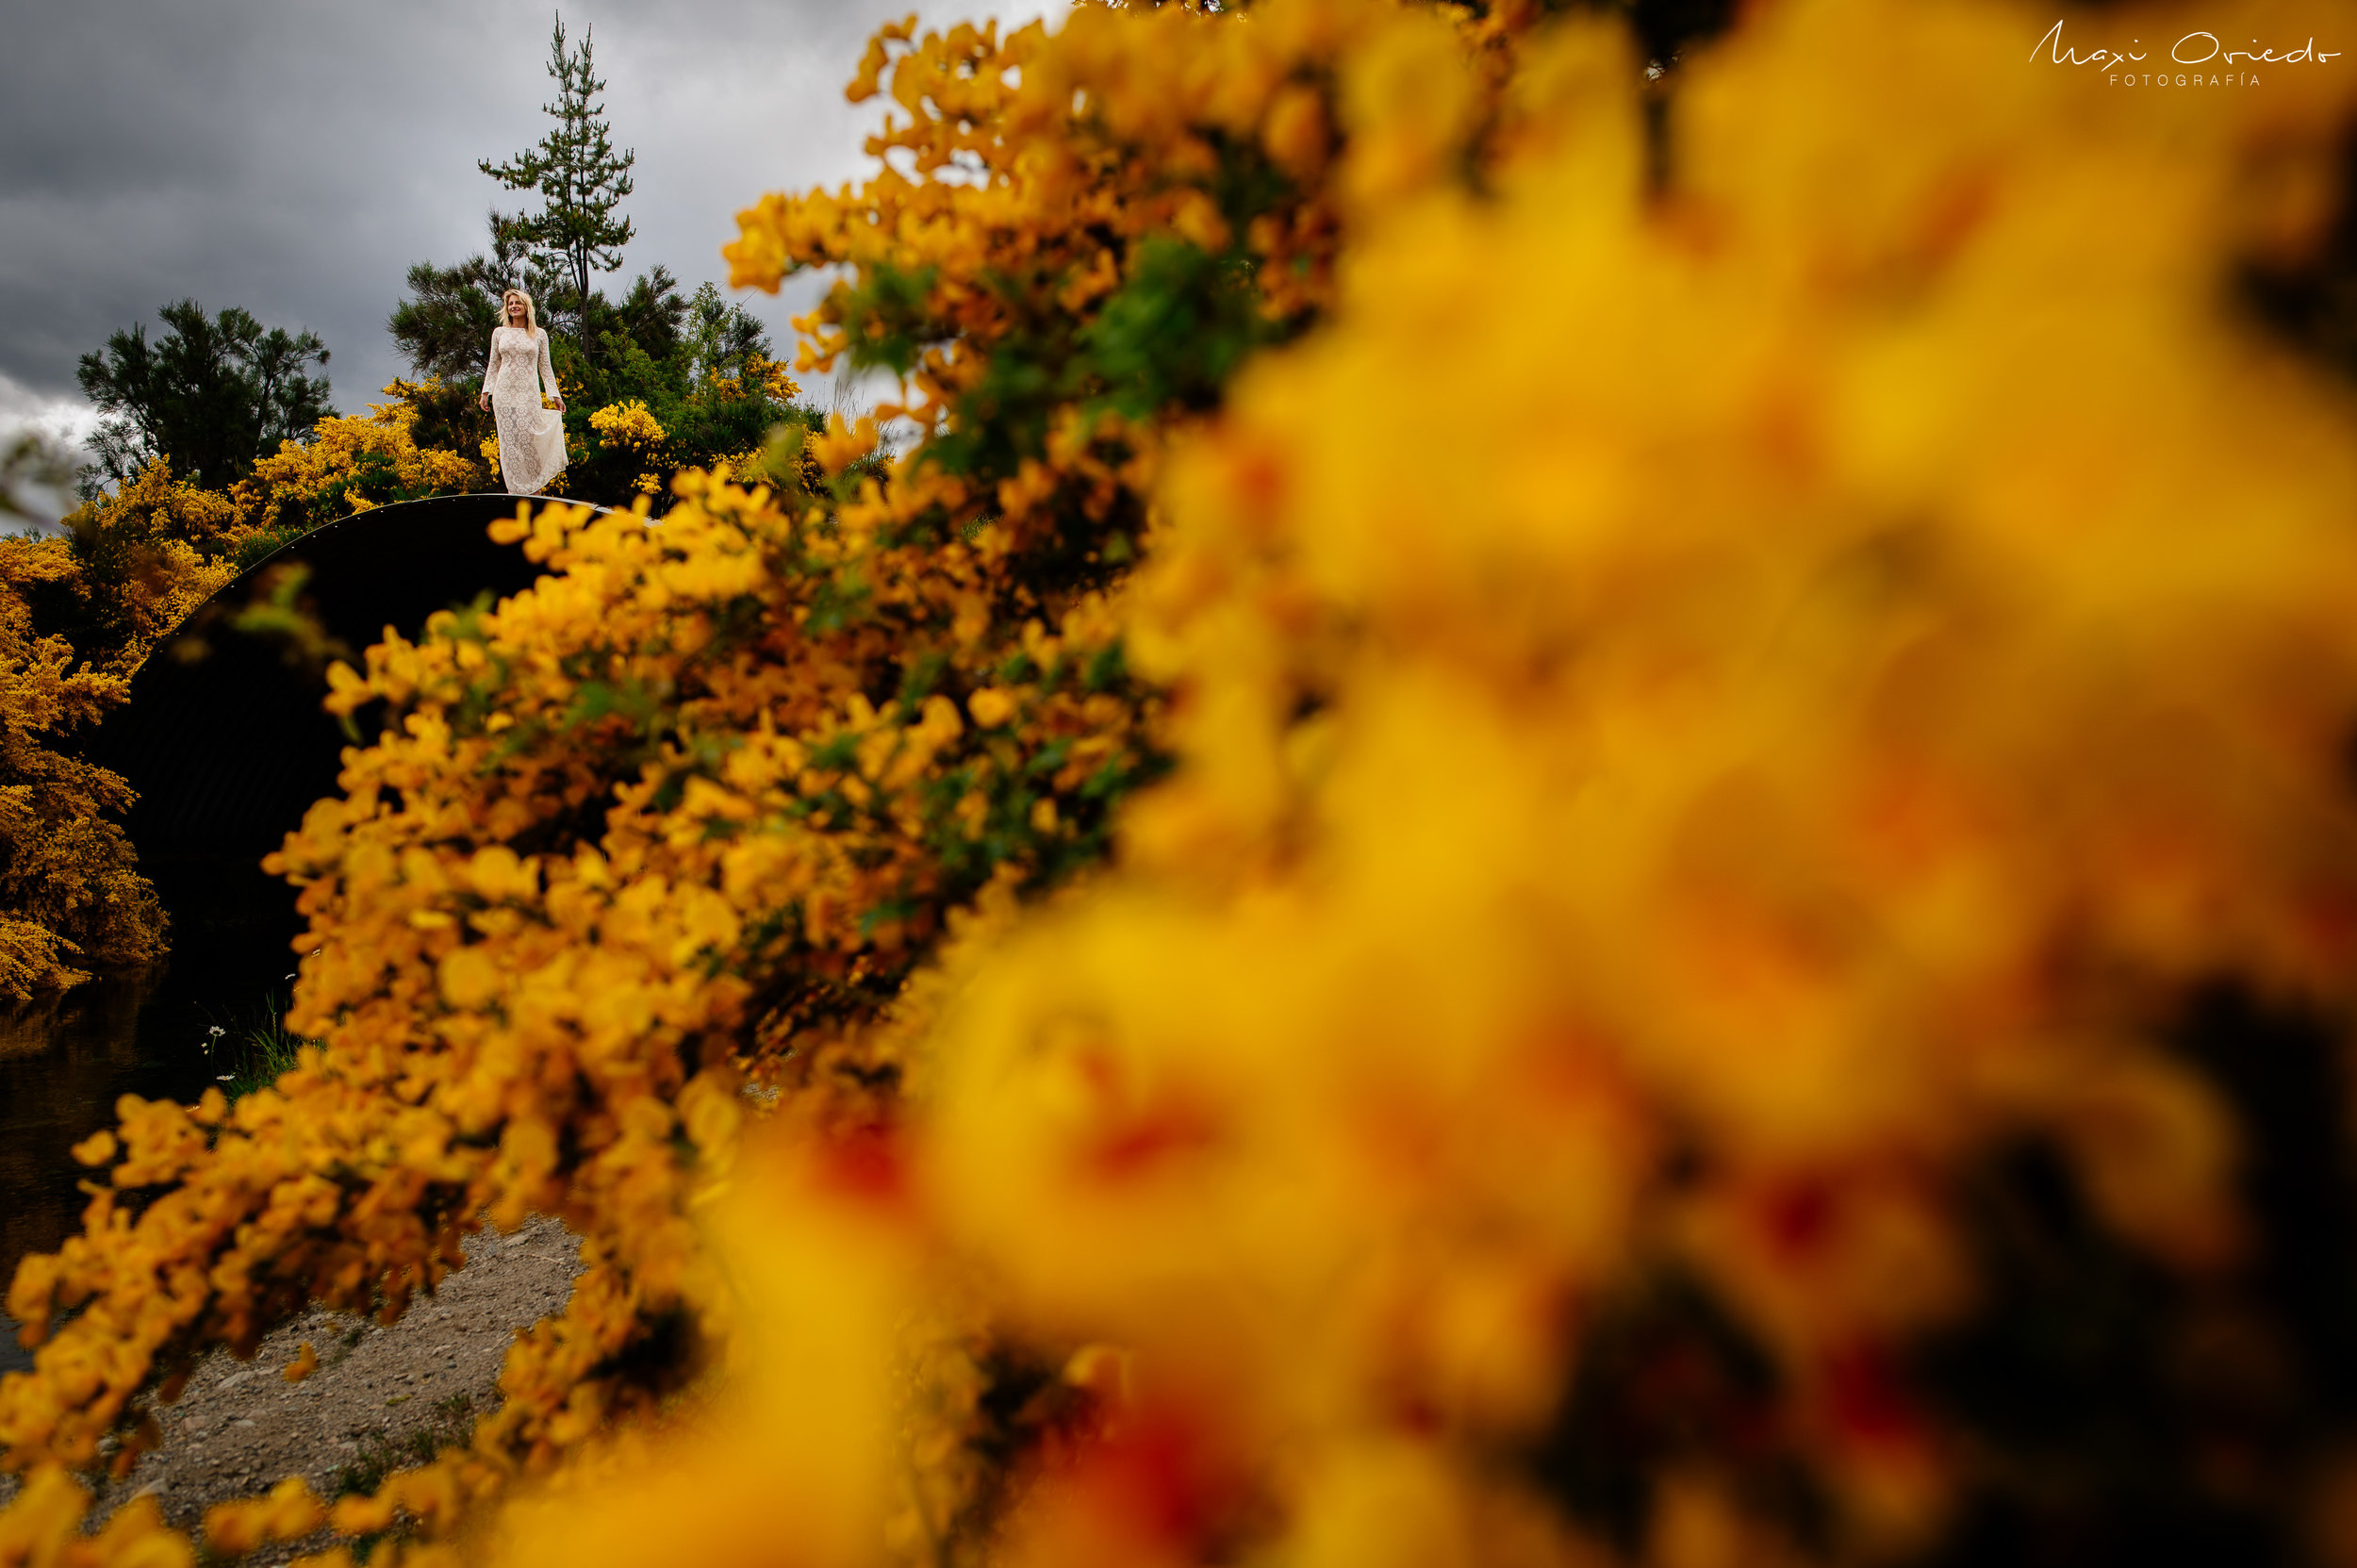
(382, 1398)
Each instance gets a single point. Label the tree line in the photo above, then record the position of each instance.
(214, 394)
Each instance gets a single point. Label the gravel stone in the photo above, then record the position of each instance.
(238, 1428)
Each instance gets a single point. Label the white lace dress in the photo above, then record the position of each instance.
(532, 438)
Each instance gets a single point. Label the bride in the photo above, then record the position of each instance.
(531, 438)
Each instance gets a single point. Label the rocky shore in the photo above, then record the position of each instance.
(382, 1398)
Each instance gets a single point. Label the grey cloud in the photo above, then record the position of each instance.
(295, 157)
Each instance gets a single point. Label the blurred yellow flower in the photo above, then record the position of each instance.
(1657, 864)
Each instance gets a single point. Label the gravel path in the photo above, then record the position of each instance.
(381, 1399)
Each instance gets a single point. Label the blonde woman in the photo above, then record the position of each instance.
(531, 438)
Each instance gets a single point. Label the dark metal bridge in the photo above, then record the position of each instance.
(226, 751)
(224, 737)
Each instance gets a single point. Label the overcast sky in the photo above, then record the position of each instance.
(295, 157)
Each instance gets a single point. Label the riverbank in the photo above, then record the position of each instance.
(382, 1398)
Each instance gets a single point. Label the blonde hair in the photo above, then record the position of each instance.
(532, 327)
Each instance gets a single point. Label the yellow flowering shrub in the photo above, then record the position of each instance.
(772, 377)
(1781, 776)
(1084, 234)
(631, 447)
(627, 427)
(349, 465)
(134, 564)
(78, 613)
(1535, 1082)
(745, 731)
(68, 887)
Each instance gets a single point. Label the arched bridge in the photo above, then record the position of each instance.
(229, 747)
(226, 751)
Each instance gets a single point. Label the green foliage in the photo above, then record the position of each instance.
(1168, 339)
(579, 178)
(701, 368)
(649, 320)
(248, 1053)
(263, 544)
(449, 418)
(888, 317)
(1173, 333)
(444, 327)
(722, 340)
(212, 394)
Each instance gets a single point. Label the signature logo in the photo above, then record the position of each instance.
(2220, 65)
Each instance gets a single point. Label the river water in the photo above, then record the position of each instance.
(65, 1062)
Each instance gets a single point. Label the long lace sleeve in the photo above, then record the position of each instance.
(547, 371)
(491, 362)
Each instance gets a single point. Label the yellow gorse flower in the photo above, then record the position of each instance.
(627, 421)
(291, 483)
(70, 891)
(1797, 759)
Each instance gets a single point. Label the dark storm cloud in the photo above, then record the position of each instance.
(294, 156)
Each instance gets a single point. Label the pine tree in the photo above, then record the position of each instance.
(579, 178)
(442, 329)
(721, 337)
(213, 393)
